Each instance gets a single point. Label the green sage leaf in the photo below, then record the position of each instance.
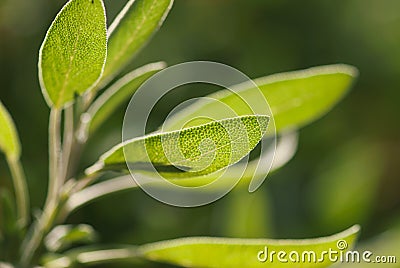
(9, 141)
(73, 53)
(207, 252)
(295, 98)
(131, 30)
(189, 152)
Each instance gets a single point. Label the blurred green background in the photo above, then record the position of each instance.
(346, 170)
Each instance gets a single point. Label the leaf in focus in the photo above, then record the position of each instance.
(64, 236)
(131, 30)
(295, 98)
(189, 152)
(73, 53)
(9, 141)
(119, 93)
(207, 252)
(285, 150)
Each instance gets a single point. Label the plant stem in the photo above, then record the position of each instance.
(46, 220)
(21, 190)
(55, 156)
(39, 229)
(68, 141)
(126, 254)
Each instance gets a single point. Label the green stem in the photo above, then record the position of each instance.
(40, 228)
(21, 190)
(55, 155)
(68, 141)
(125, 254)
(46, 220)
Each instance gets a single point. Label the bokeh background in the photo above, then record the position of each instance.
(346, 170)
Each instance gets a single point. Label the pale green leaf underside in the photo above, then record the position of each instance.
(9, 141)
(118, 93)
(286, 148)
(190, 152)
(63, 236)
(73, 53)
(207, 252)
(295, 98)
(131, 30)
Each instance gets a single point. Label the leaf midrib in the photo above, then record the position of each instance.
(74, 51)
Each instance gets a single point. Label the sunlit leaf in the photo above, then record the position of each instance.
(9, 141)
(73, 52)
(230, 252)
(285, 150)
(189, 152)
(131, 30)
(213, 252)
(295, 98)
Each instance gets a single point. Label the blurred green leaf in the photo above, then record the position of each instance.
(190, 152)
(10, 145)
(118, 93)
(8, 212)
(245, 215)
(9, 141)
(10, 233)
(346, 186)
(64, 236)
(131, 30)
(230, 252)
(295, 98)
(73, 53)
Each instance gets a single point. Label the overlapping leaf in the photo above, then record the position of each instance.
(189, 152)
